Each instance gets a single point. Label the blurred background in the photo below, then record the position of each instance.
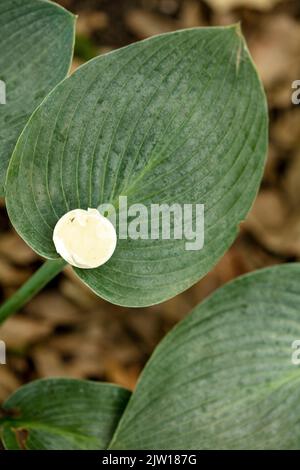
(66, 330)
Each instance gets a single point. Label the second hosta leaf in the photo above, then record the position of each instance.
(36, 38)
(224, 378)
(178, 118)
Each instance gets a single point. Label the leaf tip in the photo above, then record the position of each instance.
(238, 29)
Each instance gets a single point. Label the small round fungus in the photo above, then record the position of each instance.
(85, 238)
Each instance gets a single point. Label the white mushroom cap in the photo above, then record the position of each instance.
(85, 238)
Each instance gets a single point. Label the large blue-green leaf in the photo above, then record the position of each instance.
(178, 118)
(224, 377)
(62, 414)
(36, 47)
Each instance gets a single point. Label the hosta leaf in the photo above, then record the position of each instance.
(178, 118)
(36, 38)
(63, 414)
(224, 378)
